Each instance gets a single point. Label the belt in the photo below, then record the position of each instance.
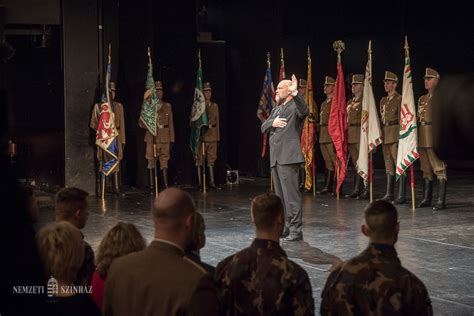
(425, 123)
(390, 123)
(212, 126)
(163, 126)
(354, 124)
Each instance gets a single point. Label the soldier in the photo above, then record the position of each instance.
(390, 117)
(211, 137)
(261, 280)
(354, 111)
(325, 141)
(375, 282)
(429, 160)
(102, 157)
(164, 137)
(313, 117)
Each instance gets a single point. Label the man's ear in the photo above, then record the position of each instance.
(365, 230)
(77, 213)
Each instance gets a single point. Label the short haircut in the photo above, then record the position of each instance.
(119, 241)
(381, 217)
(68, 201)
(265, 209)
(61, 248)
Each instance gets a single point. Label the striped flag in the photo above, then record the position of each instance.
(266, 103)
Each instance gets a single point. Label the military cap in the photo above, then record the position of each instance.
(158, 85)
(431, 73)
(112, 86)
(206, 86)
(390, 76)
(329, 80)
(302, 83)
(358, 78)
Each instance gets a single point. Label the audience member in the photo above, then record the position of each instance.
(261, 280)
(72, 207)
(198, 242)
(160, 280)
(374, 282)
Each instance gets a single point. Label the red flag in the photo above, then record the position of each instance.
(337, 125)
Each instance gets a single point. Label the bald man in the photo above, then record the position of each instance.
(163, 280)
(284, 125)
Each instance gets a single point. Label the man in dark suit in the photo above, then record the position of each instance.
(284, 125)
(160, 280)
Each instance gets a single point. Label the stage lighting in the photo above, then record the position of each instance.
(232, 177)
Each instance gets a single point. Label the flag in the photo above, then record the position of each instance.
(266, 103)
(107, 134)
(199, 117)
(307, 135)
(408, 140)
(370, 132)
(151, 103)
(337, 125)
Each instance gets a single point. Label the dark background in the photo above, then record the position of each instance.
(47, 93)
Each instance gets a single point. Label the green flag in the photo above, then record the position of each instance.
(198, 113)
(151, 103)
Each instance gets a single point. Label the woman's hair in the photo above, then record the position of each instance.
(61, 248)
(122, 239)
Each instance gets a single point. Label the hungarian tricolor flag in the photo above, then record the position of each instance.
(199, 117)
(337, 125)
(266, 103)
(307, 135)
(370, 132)
(408, 141)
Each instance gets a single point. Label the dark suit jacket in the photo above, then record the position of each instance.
(285, 143)
(159, 281)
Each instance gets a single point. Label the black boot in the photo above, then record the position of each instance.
(427, 193)
(103, 184)
(328, 183)
(116, 184)
(389, 196)
(165, 177)
(402, 190)
(357, 181)
(364, 194)
(441, 203)
(212, 183)
(98, 183)
(199, 173)
(151, 181)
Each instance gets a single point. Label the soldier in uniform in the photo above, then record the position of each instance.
(313, 117)
(375, 282)
(211, 137)
(429, 160)
(325, 141)
(390, 117)
(261, 280)
(164, 137)
(354, 111)
(102, 156)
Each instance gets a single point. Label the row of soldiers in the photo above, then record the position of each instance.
(158, 148)
(390, 118)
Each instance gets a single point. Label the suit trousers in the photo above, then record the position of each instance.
(431, 163)
(286, 184)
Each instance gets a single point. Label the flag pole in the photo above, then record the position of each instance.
(203, 168)
(266, 136)
(154, 143)
(107, 94)
(412, 172)
(371, 172)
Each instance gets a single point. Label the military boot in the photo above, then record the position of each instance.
(116, 185)
(427, 193)
(165, 177)
(402, 190)
(441, 203)
(328, 183)
(389, 195)
(151, 181)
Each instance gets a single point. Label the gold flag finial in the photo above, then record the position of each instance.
(339, 47)
(406, 45)
(309, 53)
(370, 47)
(282, 55)
(149, 55)
(199, 57)
(268, 59)
(110, 52)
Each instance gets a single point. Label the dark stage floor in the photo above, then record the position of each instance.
(437, 246)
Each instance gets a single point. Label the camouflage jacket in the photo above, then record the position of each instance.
(374, 283)
(262, 280)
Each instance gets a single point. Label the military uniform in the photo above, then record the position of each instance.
(354, 112)
(102, 156)
(374, 283)
(261, 280)
(164, 136)
(210, 138)
(390, 118)
(325, 141)
(430, 163)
